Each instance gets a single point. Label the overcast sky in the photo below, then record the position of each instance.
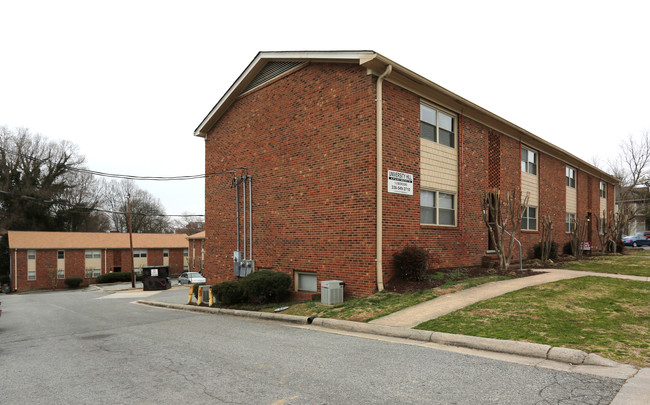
(129, 81)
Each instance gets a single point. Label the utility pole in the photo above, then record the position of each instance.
(128, 205)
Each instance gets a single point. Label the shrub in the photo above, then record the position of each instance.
(411, 263)
(537, 251)
(229, 292)
(73, 282)
(117, 277)
(567, 249)
(266, 286)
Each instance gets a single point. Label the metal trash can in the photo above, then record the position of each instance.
(155, 278)
(331, 292)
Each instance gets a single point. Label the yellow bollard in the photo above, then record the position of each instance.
(189, 299)
(200, 299)
(211, 299)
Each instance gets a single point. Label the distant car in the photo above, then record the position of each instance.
(638, 239)
(190, 277)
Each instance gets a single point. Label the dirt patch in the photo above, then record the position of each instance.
(402, 286)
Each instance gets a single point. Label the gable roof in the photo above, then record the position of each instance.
(376, 64)
(94, 240)
(199, 235)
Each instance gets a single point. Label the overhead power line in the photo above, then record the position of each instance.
(130, 176)
(86, 209)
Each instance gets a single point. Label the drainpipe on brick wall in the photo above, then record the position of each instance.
(14, 274)
(380, 181)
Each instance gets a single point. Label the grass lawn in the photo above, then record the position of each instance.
(365, 309)
(630, 265)
(609, 317)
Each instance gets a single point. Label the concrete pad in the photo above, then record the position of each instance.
(636, 390)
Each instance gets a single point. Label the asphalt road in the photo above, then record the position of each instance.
(95, 347)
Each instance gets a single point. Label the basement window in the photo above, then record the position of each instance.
(306, 282)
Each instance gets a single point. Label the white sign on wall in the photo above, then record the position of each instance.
(154, 272)
(400, 183)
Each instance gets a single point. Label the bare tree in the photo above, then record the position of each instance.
(147, 213)
(188, 224)
(502, 215)
(632, 167)
(546, 231)
(578, 237)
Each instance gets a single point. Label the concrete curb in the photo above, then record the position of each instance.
(545, 352)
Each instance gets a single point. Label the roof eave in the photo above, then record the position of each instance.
(258, 63)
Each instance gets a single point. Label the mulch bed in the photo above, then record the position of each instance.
(402, 286)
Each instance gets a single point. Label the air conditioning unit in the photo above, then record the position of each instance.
(331, 292)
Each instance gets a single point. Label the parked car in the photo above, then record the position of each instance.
(190, 277)
(638, 239)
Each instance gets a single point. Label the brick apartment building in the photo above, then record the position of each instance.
(196, 257)
(299, 135)
(34, 256)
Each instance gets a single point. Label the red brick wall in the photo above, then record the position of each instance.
(309, 143)
(308, 140)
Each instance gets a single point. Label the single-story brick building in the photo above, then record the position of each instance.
(197, 252)
(333, 161)
(37, 257)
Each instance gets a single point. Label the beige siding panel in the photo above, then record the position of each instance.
(571, 200)
(603, 207)
(60, 264)
(530, 185)
(139, 262)
(438, 167)
(31, 264)
(94, 264)
(165, 261)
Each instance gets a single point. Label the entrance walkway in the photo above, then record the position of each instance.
(415, 315)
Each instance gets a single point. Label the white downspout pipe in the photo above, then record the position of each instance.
(380, 179)
(14, 274)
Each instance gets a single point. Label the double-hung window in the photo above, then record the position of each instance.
(570, 177)
(603, 190)
(437, 208)
(140, 253)
(93, 254)
(570, 222)
(437, 126)
(528, 161)
(529, 219)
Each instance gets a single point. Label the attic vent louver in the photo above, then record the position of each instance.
(270, 72)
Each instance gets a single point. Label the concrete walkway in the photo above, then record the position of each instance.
(415, 315)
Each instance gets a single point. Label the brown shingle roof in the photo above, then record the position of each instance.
(93, 240)
(199, 235)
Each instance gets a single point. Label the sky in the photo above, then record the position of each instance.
(129, 81)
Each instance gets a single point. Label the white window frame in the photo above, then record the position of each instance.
(526, 165)
(31, 254)
(436, 207)
(603, 189)
(93, 254)
(60, 273)
(165, 252)
(569, 222)
(186, 252)
(142, 253)
(526, 219)
(437, 112)
(570, 177)
(60, 253)
(31, 275)
(301, 274)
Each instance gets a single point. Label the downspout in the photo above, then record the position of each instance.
(15, 272)
(243, 180)
(250, 215)
(380, 178)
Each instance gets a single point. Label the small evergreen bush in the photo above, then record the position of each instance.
(537, 251)
(266, 286)
(229, 292)
(117, 277)
(196, 289)
(567, 249)
(73, 282)
(411, 263)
